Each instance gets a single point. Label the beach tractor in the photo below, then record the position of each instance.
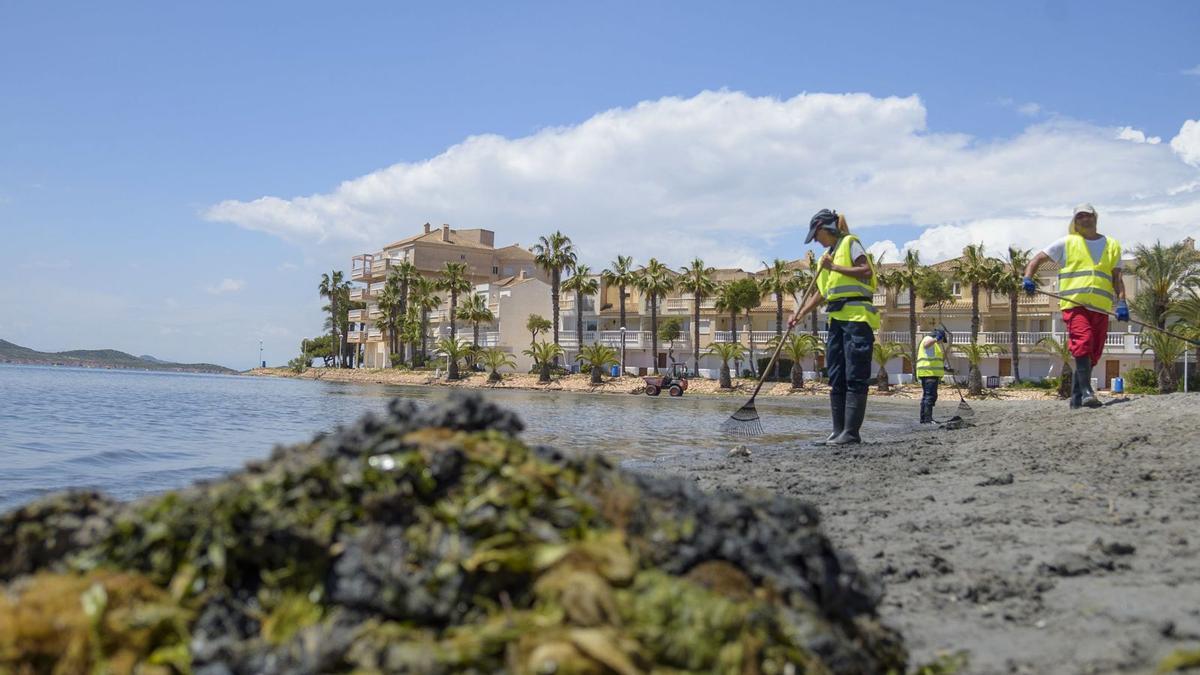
(674, 383)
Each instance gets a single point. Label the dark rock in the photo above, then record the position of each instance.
(1006, 479)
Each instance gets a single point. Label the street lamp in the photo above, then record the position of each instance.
(622, 351)
(260, 361)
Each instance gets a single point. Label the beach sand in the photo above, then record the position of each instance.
(1042, 540)
(626, 385)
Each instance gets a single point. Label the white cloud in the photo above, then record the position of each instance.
(227, 286)
(1192, 71)
(1187, 143)
(724, 176)
(1137, 136)
(885, 251)
(1029, 109)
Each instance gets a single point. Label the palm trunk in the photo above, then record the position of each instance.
(578, 321)
(621, 288)
(696, 336)
(596, 375)
(797, 375)
(474, 343)
(815, 332)
(750, 336)
(725, 381)
(654, 331)
(554, 291)
(882, 378)
(424, 336)
(400, 347)
(1012, 336)
(778, 325)
(912, 329)
(975, 386)
(452, 367)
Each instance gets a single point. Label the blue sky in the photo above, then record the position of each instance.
(123, 125)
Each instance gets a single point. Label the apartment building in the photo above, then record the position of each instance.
(506, 276)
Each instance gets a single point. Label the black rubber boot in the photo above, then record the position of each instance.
(837, 409)
(1076, 387)
(856, 410)
(926, 413)
(1083, 366)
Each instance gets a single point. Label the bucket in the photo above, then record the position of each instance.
(1118, 385)
(616, 371)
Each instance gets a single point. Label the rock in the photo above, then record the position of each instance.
(435, 541)
(1006, 479)
(1113, 548)
(1069, 564)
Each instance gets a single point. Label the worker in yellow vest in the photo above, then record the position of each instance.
(931, 368)
(1090, 274)
(846, 284)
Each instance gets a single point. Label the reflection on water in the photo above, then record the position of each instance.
(128, 433)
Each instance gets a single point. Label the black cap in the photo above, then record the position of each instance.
(823, 218)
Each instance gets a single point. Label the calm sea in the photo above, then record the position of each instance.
(129, 433)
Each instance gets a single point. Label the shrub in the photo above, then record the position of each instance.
(299, 364)
(1141, 378)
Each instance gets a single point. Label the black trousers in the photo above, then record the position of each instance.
(848, 356)
(929, 390)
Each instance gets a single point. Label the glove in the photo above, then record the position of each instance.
(1122, 311)
(1028, 285)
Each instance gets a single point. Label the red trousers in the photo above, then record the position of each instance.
(1086, 332)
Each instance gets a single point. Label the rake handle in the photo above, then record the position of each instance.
(763, 377)
(1131, 319)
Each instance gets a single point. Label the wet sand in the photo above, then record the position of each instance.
(1041, 540)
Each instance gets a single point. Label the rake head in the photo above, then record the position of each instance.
(965, 410)
(744, 422)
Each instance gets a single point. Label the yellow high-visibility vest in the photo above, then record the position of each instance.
(836, 286)
(931, 365)
(1085, 281)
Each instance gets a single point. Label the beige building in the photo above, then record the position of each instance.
(507, 276)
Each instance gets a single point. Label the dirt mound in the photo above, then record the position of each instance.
(434, 541)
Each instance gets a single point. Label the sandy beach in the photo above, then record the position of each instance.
(627, 385)
(1041, 540)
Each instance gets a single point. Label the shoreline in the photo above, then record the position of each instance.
(629, 385)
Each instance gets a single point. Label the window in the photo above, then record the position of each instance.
(495, 269)
(956, 289)
(462, 256)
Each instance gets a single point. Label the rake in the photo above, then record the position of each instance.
(964, 410)
(1131, 319)
(745, 422)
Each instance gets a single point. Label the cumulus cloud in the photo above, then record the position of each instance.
(1137, 136)
(1187, 143)
(226, 286)
(725, 176)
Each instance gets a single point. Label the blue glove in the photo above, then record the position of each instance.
(1028, 285)
(1122, 311)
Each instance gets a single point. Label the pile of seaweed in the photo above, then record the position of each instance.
(433, 541)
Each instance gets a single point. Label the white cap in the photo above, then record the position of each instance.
(1084, 208)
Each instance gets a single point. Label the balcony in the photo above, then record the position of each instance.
(356, 337)
(1023, 300)
(365, 293)
(879, 299)
(360, 315)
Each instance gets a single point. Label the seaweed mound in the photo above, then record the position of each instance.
(433, 541)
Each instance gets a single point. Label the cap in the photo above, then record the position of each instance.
(824, 218)
(1084, 208)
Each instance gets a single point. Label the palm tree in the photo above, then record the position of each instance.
(883, 352)
(1007, 281)
(976, 269)
(1167, 350)
(779, 281)
(454, 281)
(697, 279)
(454, 351)
(1164, 272)
(581, 283)
(622, 275)
(1052, 346)
(425, 299)
(402, 273)
(975, 353)
(654, 281)
(554, 253)
(796, 349)
(543, 354)
(494, 359)
(535, 324)
(806, 279)
(595, 358)
(411, 330)
(390, 314)
(475, 310)
(909, 276)
(726, 352)
(734, 297)
(726, 301)
(336, 289)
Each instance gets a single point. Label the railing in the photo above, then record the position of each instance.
(356, 336)
(999, 299)
(359, 315)
(365, 293)
(879, 299)
(374, 335)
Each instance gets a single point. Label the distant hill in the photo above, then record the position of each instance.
(100, 358)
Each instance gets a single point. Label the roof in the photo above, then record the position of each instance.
(435, 237)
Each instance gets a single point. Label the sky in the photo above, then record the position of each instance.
(175, 177)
